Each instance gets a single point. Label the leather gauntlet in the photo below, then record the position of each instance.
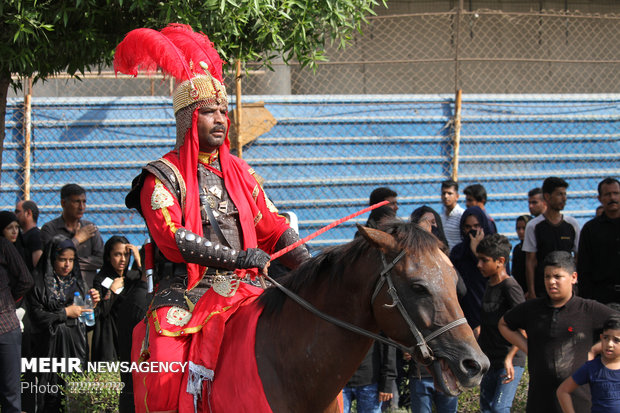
(294, 258)
(252, 258)
(199, 250)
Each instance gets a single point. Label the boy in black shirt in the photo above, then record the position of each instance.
(499, 384)
(559, 331)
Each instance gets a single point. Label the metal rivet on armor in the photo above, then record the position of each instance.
(202, 255)
(208, 243)
(224, 248)
(216, 247)
(190, 236)
(184, 250)
(198, 239)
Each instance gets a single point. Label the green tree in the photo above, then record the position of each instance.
(41, 38)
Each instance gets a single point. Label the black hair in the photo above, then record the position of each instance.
(534, 191)
(560, 259)
(33, 208)
(450, 184)
(438, 230)
(607, 181)
(612, 323)
(477, 191)
(71, 190)
(495, 246)
(381, 194)
(550, 184)
(107, 268)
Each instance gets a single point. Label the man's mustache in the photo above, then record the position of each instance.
(218, 128)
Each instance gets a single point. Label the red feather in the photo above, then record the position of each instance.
(148, 49)
(196, 46)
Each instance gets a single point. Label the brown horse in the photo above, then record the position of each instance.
(303, 361)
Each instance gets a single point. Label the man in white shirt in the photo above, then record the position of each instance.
(451, 214)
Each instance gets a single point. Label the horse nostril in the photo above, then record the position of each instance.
(471, 367)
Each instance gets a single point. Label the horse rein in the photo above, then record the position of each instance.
(385, 275)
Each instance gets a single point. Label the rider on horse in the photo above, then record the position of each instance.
(208, 216)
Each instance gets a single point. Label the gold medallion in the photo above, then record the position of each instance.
(161, 198)
(223, 286)
(178, 316)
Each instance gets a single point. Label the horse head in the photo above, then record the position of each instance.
(415, 304)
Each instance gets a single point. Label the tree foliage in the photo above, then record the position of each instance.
(40, 38)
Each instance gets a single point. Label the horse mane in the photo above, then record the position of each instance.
(332, 261)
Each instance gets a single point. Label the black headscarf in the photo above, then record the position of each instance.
(482, 220)
(60, 289)
(6, 217)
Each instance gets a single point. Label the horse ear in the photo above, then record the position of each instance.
(379, 239)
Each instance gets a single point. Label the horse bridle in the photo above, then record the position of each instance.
(421, 342)
(385, 276)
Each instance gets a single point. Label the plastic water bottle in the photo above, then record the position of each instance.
(77, 300)
(90, 316)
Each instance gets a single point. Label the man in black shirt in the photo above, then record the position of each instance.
(598, 265)
(27, 215)
(559, 332)
(551, 231)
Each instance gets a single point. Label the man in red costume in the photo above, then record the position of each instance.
(211, 221)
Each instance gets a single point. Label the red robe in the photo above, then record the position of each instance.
(261, 227)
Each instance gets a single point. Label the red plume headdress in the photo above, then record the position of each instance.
(180, 52)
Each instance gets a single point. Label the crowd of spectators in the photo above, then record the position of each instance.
(549, 306)
(42, 272)
(549, 303)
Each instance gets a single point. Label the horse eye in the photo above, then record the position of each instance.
(419, 289)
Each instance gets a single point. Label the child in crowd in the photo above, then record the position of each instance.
(602, 373)
(559, 331)
(518, 256)
(499, 384)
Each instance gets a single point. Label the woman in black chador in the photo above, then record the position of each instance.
(58, 332)
(113, 282)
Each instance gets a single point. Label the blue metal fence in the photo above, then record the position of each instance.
(327, 153)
